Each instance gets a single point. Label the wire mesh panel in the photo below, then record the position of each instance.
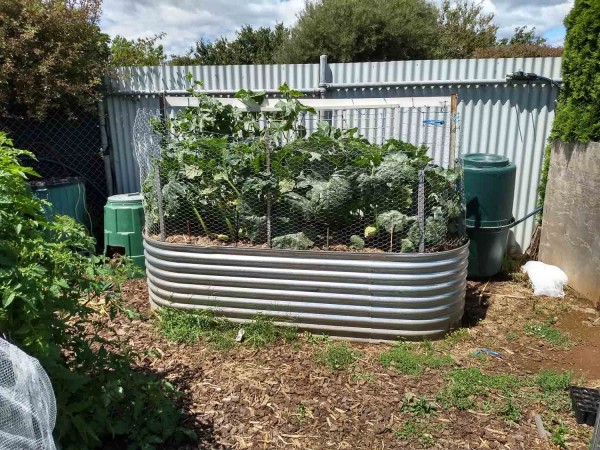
(66, 147)
(314, 185)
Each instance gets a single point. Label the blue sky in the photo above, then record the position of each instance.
(186, 21)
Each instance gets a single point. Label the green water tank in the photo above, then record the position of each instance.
(489, 182)
(66, 197)
(123, 225)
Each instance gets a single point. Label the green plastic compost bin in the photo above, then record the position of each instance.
(489, 190)
(123, 225)
(66, 197)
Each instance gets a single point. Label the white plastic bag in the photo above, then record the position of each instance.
(546, 279)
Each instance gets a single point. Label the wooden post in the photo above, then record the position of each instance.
(453, 137)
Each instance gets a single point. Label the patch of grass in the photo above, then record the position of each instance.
(552, 381)
(302, 413)
(512, 336)
(547, 332)
(368, 377)
(509, 411)
(405, 359)
(456, 337)
(190, 327)
(465, 388)
(417, 406)
(337, 356)
(416, 431)
(559, 435)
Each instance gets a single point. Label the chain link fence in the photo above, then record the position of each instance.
(66, 147)
(315, 187)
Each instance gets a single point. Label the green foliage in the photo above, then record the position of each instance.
(407, 360)
(337, 355)
(49, 286)
(523, 36)
(417, 406)
(356, 242)
(463, 28)
(137, 52)
(578, 109)
(465, 387)
(547, 332)
(53, 56)
(541, 190)
(558, 435)
(191, 327)
(296, 241)
(250, 46)
(376, 30)
(551, 381)
(417, 431)
(320, 188)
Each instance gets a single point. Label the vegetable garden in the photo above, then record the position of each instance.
(217, 175)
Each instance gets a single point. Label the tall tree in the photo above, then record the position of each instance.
(522, 36)
(137, 52)
(52, 56)
(362, 30)
(464, 27)
(250, 46)
(578, 110)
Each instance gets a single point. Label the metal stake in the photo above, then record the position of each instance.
(269, 199)
(421, 209)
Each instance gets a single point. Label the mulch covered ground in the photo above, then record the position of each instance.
(280, 397)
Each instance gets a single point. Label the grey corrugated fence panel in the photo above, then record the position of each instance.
(379, 296)
(512, 120)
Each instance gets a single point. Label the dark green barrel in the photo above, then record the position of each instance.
(123, 225)
(489, 190)
(66, 197)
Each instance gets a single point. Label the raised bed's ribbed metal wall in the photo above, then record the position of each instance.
(380, 296)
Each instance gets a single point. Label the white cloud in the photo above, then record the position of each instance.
(187, 21)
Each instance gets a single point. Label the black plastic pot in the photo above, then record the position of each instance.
(585, 403)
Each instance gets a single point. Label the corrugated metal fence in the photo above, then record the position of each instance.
(511, 119)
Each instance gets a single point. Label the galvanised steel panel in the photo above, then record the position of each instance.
(380, 296)
(508, 119)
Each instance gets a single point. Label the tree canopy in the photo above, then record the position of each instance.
(52, 56)
(578, 110)
(137, 52)
(361, 30)
(250, 46)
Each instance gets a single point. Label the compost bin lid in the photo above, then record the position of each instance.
(125, 198)
(485, 160)
(53, 182)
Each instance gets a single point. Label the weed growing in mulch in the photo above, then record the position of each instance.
(464, 387)
(337, 356)
(416, 431)
(190, 327)
(406, 359)
(417, 406)
(547, 332)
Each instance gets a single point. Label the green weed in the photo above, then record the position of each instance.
(302, 413)
(559, 434)
(466, 386)
(416, 431)
(456, 337)
(337, 356)
(417, 406)
(552, 381)
(509, 411)
(512, 336)
(190, 327)
(403, 358)
(368, 377)
(547, 332)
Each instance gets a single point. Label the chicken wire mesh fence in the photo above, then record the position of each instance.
(315, 187)
(66, 148)
(27, 404)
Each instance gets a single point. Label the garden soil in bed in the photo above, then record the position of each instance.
(280, 397)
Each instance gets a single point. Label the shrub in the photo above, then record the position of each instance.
(578, 109)
(48, 286)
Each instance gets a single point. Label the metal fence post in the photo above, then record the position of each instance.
(421, 209)
(104, 148)
(268, 172)
(453, 137)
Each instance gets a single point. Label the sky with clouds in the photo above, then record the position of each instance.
(187, 21)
